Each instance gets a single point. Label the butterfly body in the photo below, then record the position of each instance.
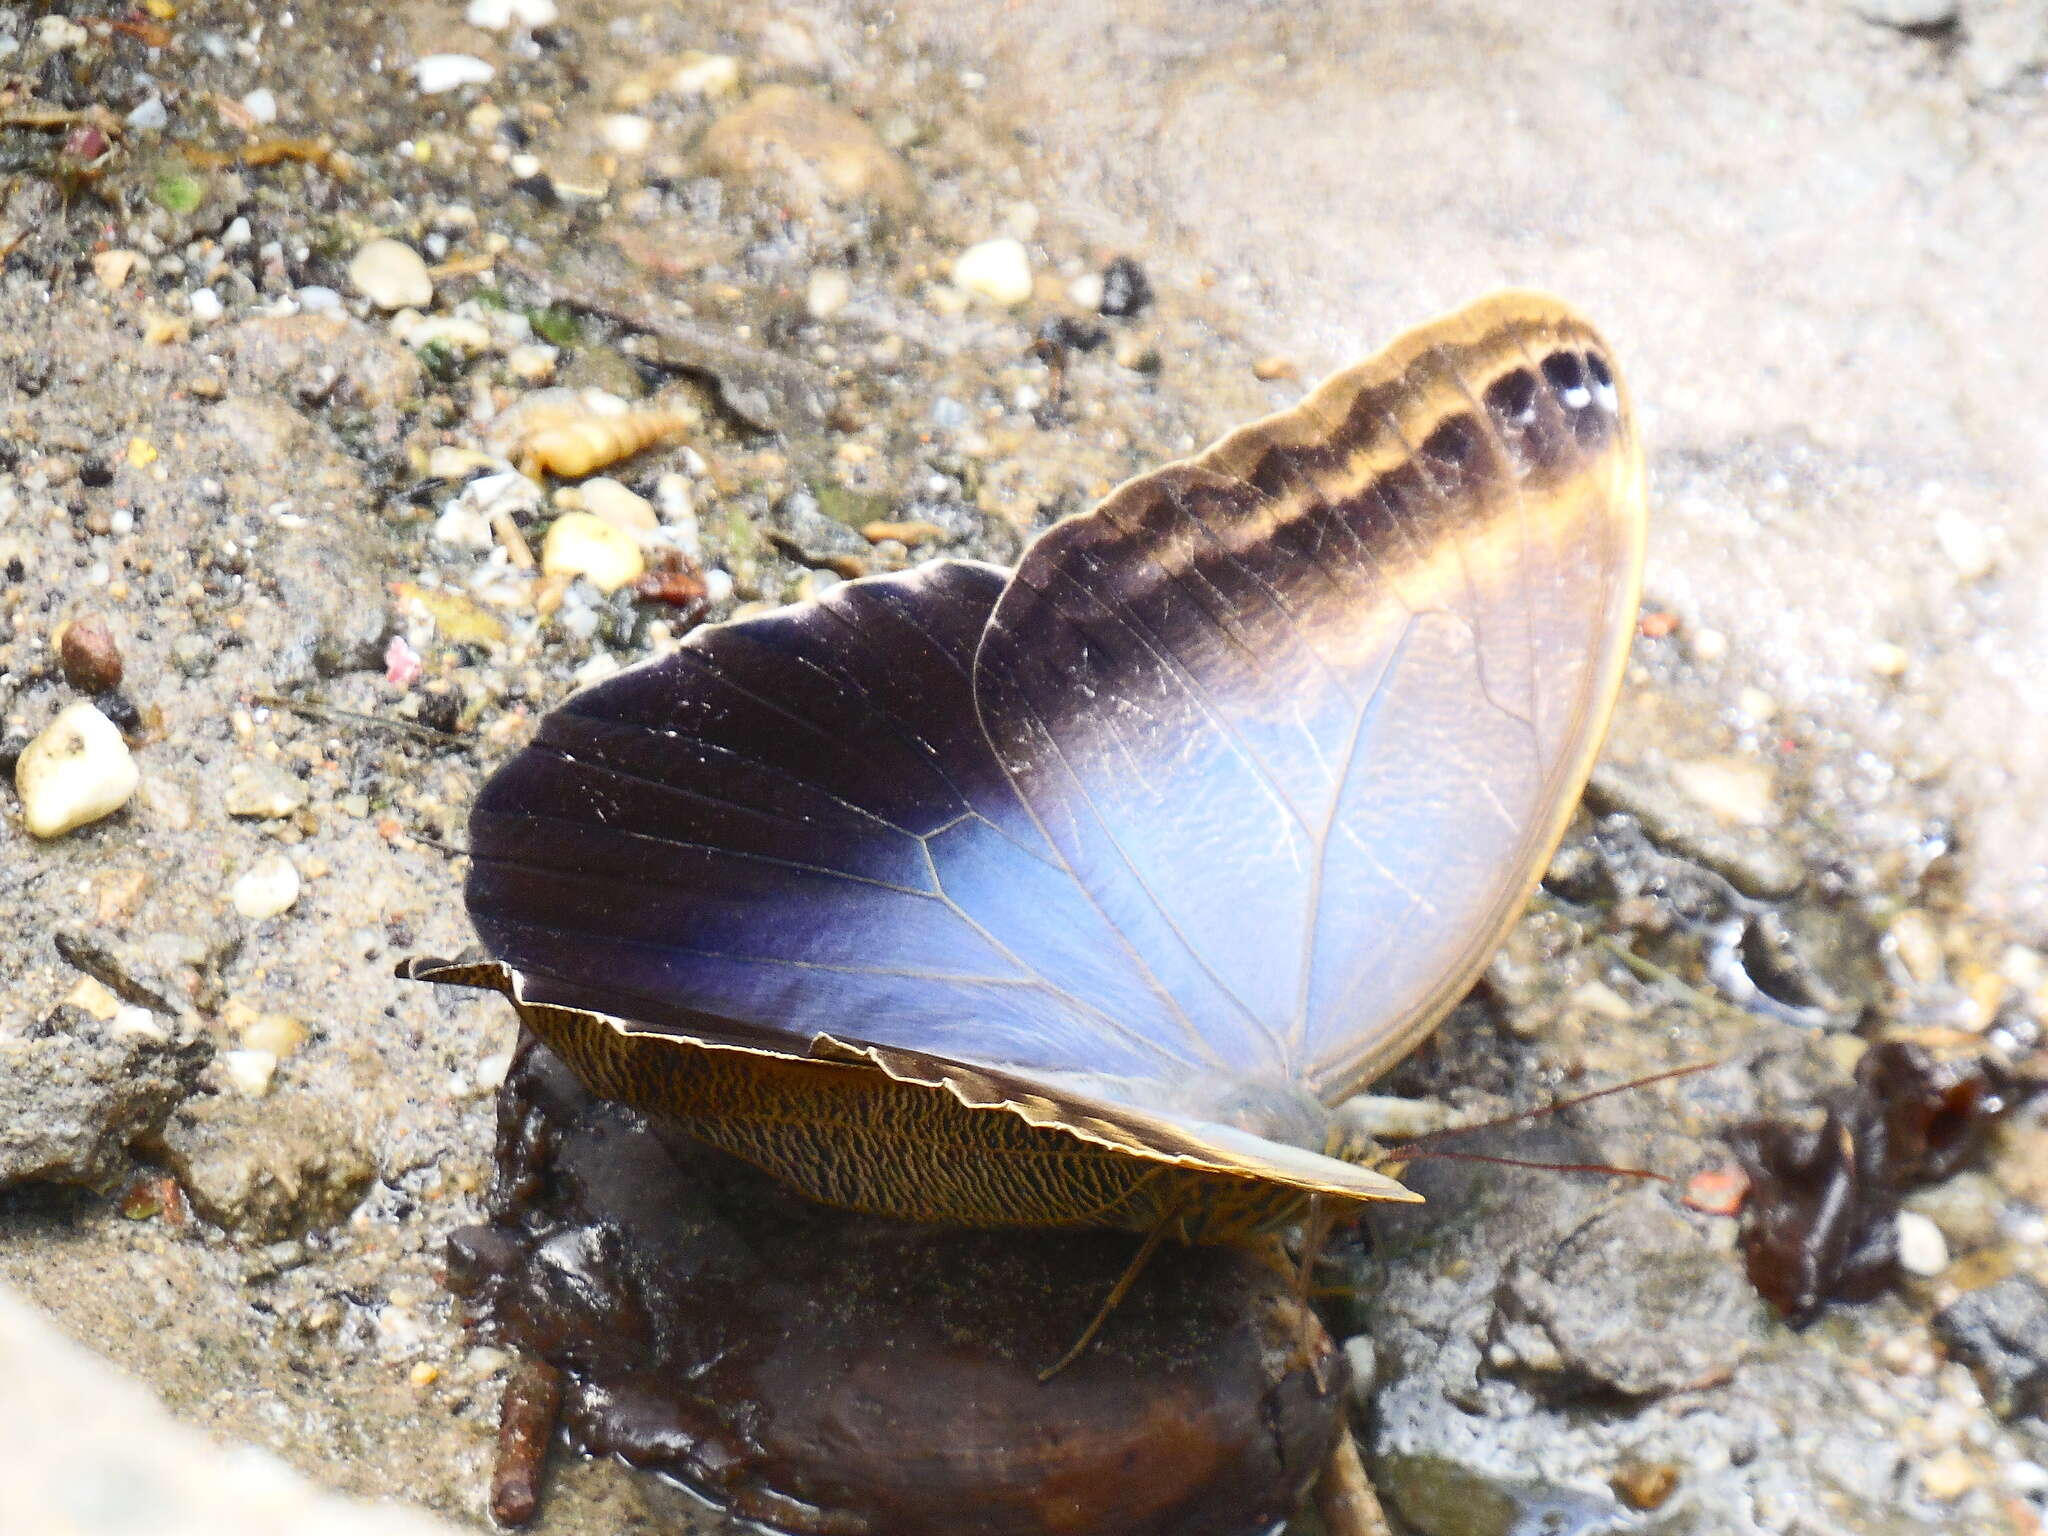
(1075, 896)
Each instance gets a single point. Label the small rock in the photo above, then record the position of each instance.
(828, 292)
(314, 299)
(579, 544)
(1923, 1251)
(627, 132)
(1735, 791)
(1887, 659)
(806, 154)
(457, 333)
(533, 362)
(261, 105)
(1085, 292)
(1916, 940)
(2001, 1332)
(150, 116)
(112, 268)
(1968, 546)
(266, 889)
(996, 270)
(80, 1093)
(1949, 1475)
(87, 652)
(1708, 646)
(267, 1169)
(77, 771)
(1274, 367)
(205, 307)
(705, 74)
(502, 15)
(1125, 288)
(624, 509)
(1908, 15)
(261, 789)
(440, 72)
(249, 1073)
(391, 275)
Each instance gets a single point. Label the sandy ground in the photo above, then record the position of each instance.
(1813, 239)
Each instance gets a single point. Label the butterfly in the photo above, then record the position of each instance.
(1079, 895)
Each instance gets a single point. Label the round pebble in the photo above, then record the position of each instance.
(204, 306)
(455, 332)
(627, 132)
(78, 770)
(580, 544)
(1923, 1251)
(261, 104)
(87, 652)
(391, 275)
(996, 270)
(828, 292)
(267, 888)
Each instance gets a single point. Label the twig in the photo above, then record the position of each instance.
(1344, 1494)
(318, 711)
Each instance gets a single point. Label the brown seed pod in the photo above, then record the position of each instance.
(826, 1373)
(573, 445)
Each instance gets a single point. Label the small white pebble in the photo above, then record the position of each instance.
(140, 1022)
(1923, 1250)
(237, 234)
(391, 275)
(1708, 645)
(261, 104)
(149, 116)
(524, 166)
(317, 300)
(1968, 546)
(1887, 659)
(828, 292)
(204, 306)
(717, 585)
(996, 270)
(1085, 292)
(705, 74)
(249, 1072)
(491, 1070)
(533, 362)
(580, 544)
(76, 771)
(487, 1359)
(439, 72)
(267, 888)
(1756, 706)
(627, 132)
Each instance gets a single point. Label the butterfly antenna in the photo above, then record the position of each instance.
(1555, 1107)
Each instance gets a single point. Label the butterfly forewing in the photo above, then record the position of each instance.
(1307, 715)
(1235, 782)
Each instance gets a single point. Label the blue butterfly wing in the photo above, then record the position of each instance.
(1236, 782)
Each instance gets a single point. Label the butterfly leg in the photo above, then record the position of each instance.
(1117, 1293)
